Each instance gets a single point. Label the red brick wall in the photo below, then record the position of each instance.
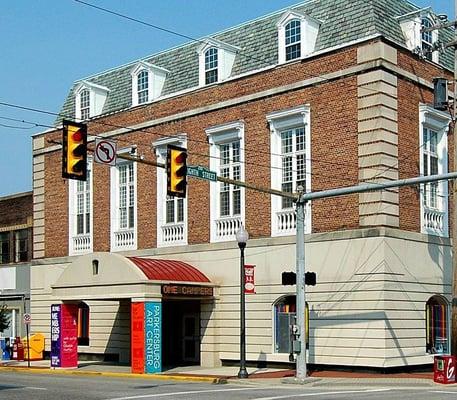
(15, 210)
(334, 153)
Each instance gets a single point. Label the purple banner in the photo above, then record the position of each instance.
(55, 335)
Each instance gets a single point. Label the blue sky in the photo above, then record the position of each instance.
(48, 44)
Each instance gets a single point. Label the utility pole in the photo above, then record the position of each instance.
(454, 208)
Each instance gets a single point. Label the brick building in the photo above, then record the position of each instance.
(15, 258)
(324, 94)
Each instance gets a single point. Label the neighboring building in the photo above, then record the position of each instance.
(16, 220)
(324, 94)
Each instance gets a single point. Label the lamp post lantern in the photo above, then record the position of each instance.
(242, 237)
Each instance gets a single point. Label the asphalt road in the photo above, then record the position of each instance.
(25, 386)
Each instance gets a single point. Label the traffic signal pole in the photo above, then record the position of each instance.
(301, 372)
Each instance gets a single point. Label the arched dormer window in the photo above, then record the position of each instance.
(211, 63)
(147, 82)
(215, 61)
(143, 87)
(89, 99)
(293, 40)
(297, 35)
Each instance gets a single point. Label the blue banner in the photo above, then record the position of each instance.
(153, 337)
(55, 335)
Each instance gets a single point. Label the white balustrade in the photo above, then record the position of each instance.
(227, 227)
(286, 222)
(173, 234)
(81, 244)
(434, 222)
(124, 240)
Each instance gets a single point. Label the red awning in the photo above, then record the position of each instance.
(169, 270)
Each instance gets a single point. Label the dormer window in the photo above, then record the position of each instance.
(416, 40)
(85, 104)
(147, 82)
(215, 61)
(210, 65)
(89, 100)
(427, 39)
(143, 87)
(297, 34)
(293, 39)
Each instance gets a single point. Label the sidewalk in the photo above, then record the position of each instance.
(261, 376)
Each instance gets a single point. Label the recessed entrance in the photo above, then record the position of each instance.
(181, 332)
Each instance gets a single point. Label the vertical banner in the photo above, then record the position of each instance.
(153, 337)
(55, 335)
(137, 338)
(64, 335)
(249, 283)
(69, 335)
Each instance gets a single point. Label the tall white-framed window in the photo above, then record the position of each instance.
(89, 99)
(171, 211)
(290, 166)
(427, 39)
(211, 62)
(297, 34)
(81, 214)
(124, 206)
(143, 87)
(433, 126)
(227, 202)
(293, 40)
(84, 98)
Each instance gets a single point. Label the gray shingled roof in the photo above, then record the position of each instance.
(343, 21)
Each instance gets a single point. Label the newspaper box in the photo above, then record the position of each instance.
(36, 347)
(444, 369)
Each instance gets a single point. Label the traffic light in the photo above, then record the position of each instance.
(310, 278)
(176, 171)
(288, 278)
(74, 151)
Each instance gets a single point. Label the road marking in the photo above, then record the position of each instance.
(147, 396)
(321, 394)
(35, 388)
(442, 391)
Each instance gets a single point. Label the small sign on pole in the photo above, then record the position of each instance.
(249, 283)
(105, 152)
(27, 319)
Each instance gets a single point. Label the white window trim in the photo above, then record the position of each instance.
(156, 81)
(114, 204)
(226, 54)
(279, 121)
(439, 122)
(309, 28)
(161, 153)
(97, 98)
(72, 204)
(218, 135)
(411, 25)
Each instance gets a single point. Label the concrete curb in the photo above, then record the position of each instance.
(188, 378)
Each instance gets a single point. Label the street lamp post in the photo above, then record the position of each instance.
(242, 237)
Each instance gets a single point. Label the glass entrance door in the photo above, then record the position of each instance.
(191, 338)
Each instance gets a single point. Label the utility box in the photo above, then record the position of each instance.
(444, 369)
(35, 348)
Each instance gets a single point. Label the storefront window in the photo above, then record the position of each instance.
(437, 325)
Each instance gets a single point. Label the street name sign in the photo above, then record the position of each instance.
(200, 172)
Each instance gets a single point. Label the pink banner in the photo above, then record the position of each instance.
(69, 336)
(249, 283)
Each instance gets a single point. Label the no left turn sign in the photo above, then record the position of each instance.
(105, 152)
